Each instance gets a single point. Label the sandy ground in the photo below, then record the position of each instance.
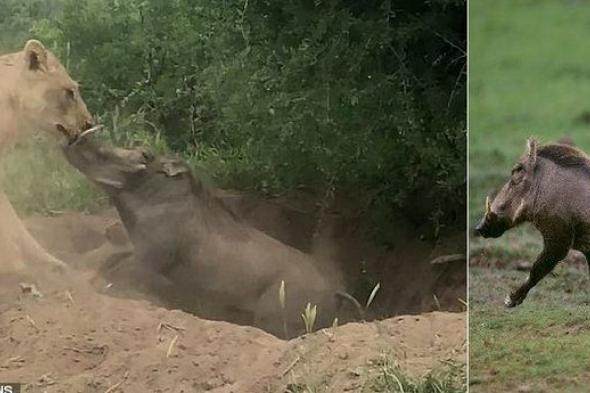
(74, 337)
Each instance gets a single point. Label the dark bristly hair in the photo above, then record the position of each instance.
(564, 155)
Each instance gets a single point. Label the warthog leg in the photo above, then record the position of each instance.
(587, 255)
(554, 251)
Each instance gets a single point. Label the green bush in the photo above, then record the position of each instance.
(367, 99)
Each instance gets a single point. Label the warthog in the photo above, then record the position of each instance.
(184, 234)
(549, 187)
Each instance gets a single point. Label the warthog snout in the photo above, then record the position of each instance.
(487, 231)
(109, 166)
(492, 226)
(476, 230)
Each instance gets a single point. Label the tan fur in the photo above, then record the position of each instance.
(36, 93)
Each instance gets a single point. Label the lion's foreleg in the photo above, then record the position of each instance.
(17, 246)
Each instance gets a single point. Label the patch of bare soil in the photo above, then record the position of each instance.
(72, 339)
(65, 333)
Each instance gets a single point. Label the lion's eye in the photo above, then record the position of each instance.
(70, 94)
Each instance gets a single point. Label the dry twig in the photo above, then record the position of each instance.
(32, 322)
(448, 259)
(290, 366)
(70, 297)
(116, 386)
(171, 346)
(168, 326)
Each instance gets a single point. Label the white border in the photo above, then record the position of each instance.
(468, 248)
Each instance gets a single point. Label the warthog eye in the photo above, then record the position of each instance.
(517, 174)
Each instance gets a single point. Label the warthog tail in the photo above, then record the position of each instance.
(355, 303)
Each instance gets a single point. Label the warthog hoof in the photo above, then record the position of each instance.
(510, 302)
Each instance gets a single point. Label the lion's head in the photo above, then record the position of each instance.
(48, 98)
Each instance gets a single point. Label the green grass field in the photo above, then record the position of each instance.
(529, 76)
(39, 180)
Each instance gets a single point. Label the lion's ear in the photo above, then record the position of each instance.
(35, 56)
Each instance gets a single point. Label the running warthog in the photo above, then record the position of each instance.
(183, 234)
(549, 187)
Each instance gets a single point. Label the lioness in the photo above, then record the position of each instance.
(37, 93)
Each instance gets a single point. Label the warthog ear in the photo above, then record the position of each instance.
(35, 56)
(174, 167)
(531, 153)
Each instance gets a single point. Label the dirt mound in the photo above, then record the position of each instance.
(409, 283)
(70, 235)
(85, 342)
(72, 339)
(76, 337)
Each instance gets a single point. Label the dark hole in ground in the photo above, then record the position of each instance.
(409, 282)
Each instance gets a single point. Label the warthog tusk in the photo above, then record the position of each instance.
(488, 205)
(86, 133)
